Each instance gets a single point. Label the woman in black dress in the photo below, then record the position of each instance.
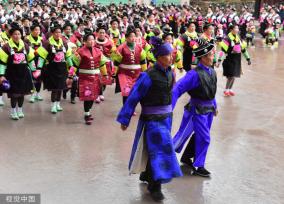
(16, 66)
(233, 46)
(34, 40)
(57, 56)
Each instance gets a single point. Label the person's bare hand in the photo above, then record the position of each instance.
(69, 83)
(2, 78)
(249, 62)
(216, 112)
(123, 127)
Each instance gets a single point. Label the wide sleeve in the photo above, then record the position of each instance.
(138, 91)
(143, 61)
(103, 68)
(3, 60)
(187, 83)
(68, 56)
(180, 42)
(43, 54)
(30, 58)
(117, 57)
(76, 59)
(150, 57)
(147, 47)
(244, 50)
(178, 60)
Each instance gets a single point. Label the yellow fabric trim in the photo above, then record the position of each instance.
(113, 49)
(180, 43)
(243, 45)
(42, 52)
(144, 67)
(178, 56)
(178, 61)
(224, 46)
(116, 56)
(3, 56)
(32, 40)
(115, 33)
(57, 44)
(147, 48)
(143, 55)
(179, 65)
(69, 61)
(68, 53)
(233, 38)
(192, 35)
(103, 60)
(4, 36)
(151, 57)
(13, 45)
(103, 70)
(31, 54)
(76, 60)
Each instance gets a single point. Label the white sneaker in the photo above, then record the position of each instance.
(98, 100)
(21, 113)
(32, 99)
(102, 98)
(1, 102)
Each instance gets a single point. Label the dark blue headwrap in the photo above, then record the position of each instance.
(160, 48)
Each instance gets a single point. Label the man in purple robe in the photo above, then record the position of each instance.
(201, 84)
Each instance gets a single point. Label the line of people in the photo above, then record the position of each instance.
(57, 59)
(141, 56)
(148, 21)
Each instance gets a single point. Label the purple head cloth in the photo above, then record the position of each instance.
(160, 48)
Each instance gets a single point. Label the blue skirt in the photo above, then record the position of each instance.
(153, 143)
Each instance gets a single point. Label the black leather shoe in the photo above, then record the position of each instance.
(144, 177)
(155, 191)
(73, 101)
(201, 171)
(64, 95)
(187, 161)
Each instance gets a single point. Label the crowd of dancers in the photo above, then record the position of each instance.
(85, 49)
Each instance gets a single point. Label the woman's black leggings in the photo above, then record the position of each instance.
(88, 105)
(250, 41)
(103, 88)
(37, 85)
(230, 82)
(56, 96)
(17, 100)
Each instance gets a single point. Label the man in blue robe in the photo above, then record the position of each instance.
(152, 153)
(201, 85)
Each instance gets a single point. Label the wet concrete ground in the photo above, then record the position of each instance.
(68, 162)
